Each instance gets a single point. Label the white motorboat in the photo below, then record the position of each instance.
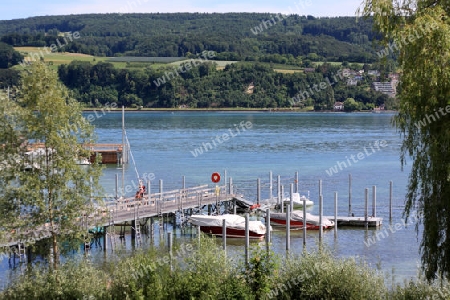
(235, 225)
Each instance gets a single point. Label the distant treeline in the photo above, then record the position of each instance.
(246, 85)
(233, 36)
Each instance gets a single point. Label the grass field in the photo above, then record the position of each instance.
(133, 59)
(285, 71)
(57, 59)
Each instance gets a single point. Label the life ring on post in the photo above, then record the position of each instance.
(215, 177)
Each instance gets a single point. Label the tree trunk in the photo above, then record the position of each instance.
(55, 249)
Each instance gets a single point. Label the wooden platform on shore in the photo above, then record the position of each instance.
(357, 221)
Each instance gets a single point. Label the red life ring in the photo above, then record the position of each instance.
(215, 177)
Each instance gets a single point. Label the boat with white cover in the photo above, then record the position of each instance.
(235, 225)
(298, 200)
(296, 221)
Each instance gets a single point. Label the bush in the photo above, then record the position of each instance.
(420, 289)
(205, 273)
(73, 280)
(320, 276)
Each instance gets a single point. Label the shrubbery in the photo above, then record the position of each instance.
(208, 274)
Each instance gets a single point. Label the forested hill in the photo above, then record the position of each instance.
(234, 36)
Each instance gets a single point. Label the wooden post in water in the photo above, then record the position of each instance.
(320, 187)
(161, 199)
(320, 217)
(225, 180)
(335, 213)
(296, 182)
(226, 189)
(105, 235)
(268, 230)
(117, 187)
(247, 240)
(169, 237)
(291, 194)
(151, 229)
(230, 185)
(224, 235)
(148, 192)
(279, 201)
(304, 222)
(349, 195)
(374, 201)
(366, 213)
(282, 200)
(258, 191)
(288, 227)
(390, 201)
(270, 187)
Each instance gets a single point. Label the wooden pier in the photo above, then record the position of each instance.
(127, 209)
(110, 153)
(131, 211)
(141, 212)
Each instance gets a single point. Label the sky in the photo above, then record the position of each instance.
(18, 9)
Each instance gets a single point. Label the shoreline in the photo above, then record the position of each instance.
(271, 110)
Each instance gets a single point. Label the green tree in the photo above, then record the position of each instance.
(421, 32)
(351, 105)
(8, 56)
(45, 188)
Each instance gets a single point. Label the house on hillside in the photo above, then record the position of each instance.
(352, 82)
(386, 88)
(338, 106)
(250, 88)
(375, 73)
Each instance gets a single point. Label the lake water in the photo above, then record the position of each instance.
(251, 144)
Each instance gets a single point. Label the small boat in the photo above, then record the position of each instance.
(312, 221)
(298, 200)
(235, 225)
(83, 161)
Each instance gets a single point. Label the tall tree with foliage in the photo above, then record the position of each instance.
(8, 56)
(45, 188)
(420, 30)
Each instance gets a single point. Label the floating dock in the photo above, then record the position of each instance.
(357, 221)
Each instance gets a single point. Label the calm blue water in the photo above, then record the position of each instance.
(163, 144)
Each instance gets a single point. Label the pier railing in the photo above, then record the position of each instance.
(124, 209)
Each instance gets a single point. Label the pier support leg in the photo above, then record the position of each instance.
(390, 201)
(133, 229)
(268, 230)
(105, 236)
(247, 240)
(29, 253)
(366, 213)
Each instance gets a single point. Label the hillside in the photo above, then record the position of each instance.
(234, 36)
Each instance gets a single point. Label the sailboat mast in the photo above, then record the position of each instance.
(123, 135)
(123, 151)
